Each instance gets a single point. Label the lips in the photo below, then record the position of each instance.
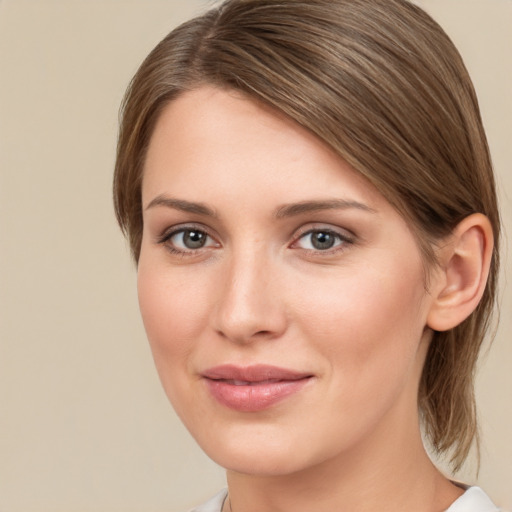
(253, 388)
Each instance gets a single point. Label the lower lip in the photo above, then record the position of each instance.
(254, 397)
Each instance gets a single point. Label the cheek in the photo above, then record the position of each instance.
(173, 311)
(368, 334)
(368, 327)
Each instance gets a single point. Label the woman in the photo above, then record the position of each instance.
(309, 197)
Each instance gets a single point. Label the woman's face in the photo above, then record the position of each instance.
(282, 295)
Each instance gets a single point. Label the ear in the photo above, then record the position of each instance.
(464, 266)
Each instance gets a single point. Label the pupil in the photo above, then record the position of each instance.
(194, 239)
(323, 240)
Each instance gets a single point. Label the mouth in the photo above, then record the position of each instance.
(253, 388)
(234, 382)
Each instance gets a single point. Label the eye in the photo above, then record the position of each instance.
(321, 240)
(187, 240)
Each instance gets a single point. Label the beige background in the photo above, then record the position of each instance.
(84, 425)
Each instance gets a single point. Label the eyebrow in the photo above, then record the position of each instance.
(182, 205)
(287, 210)
(290, 210)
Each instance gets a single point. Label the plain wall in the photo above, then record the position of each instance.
(84, 425)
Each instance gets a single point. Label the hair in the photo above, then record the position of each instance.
(381, 83)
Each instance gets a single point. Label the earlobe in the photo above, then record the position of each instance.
(462, 276)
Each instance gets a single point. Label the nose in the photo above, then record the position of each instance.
(251, 305)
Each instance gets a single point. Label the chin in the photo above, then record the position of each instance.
(262, 453)
(261, 463)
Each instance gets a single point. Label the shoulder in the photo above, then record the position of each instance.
(473, 500)
(214, 504)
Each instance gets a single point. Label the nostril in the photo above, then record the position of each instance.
(245, 336)
(262, 333)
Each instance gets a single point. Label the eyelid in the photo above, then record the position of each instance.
(344, 233)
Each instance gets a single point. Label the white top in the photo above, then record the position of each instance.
(473, 500)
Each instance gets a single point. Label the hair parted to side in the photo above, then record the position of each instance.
(382, 84)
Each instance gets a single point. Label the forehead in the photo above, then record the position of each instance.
(213, 139)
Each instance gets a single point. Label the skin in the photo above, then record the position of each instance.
(354, 316)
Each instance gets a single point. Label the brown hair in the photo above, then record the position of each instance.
(383, 85)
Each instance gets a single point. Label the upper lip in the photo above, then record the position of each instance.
(253, 373)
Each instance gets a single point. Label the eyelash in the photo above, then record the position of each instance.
(341, 240)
